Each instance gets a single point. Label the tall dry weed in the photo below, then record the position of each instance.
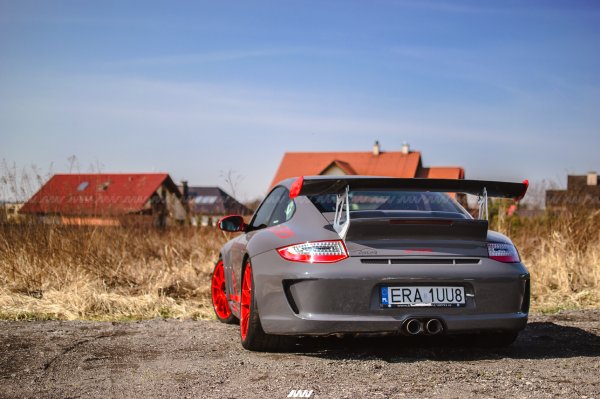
(133, 273)
(562, 253)
(105, 273)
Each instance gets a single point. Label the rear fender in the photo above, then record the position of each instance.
(307, 224)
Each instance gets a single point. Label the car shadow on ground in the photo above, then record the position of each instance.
(540, 340)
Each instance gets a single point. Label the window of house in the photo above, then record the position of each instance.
(205, 199)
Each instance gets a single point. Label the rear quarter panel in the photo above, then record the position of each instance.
(307, 224)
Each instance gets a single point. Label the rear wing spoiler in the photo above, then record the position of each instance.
(316, 185)
(341, 186)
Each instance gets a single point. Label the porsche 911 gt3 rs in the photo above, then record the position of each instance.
(344, 255)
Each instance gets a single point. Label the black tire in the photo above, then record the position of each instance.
(256, 339)
(220, 305)
(496, 339)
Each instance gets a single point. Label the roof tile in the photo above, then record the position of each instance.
(393, 163)
(97, 194)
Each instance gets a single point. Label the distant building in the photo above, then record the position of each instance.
(208, 204)
(108, 199)
(403, 163)
(582, 191)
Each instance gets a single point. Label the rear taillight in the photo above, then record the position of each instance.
(502, 252)
(315, 252)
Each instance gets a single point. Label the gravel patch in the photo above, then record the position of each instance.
(556, 356)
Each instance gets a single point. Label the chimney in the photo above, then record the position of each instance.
(376, 148)
(186, 190)
(405, 148)
(592, 178)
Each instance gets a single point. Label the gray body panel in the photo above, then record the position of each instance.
(319, 299)
(344, 297)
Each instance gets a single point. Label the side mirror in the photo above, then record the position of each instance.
(233, 223)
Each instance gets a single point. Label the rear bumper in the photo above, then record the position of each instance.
(306, 299)
(332, 324)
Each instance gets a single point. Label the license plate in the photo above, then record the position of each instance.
(450, 297)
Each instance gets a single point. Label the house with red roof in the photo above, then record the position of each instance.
(207, 205)
(403, 163)
(108, 199)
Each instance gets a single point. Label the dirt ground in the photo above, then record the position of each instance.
(556, 356)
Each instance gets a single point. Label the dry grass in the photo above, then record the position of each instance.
(562, 253)
(105, 273)
(138, 273)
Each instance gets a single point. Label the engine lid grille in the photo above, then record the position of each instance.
(421, 261)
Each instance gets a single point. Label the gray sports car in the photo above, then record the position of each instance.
(345, 255)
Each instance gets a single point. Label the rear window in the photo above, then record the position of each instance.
(391, 201)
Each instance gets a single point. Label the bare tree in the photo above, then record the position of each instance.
(73, 164)
(233, 180)
(96, 167)
(19, 184)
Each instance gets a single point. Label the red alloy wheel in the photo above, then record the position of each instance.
(219, 296)
(246, 301)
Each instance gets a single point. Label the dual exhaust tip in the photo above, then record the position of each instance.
(430, 327)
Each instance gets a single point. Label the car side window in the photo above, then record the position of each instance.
(284, 210)
(263, 215)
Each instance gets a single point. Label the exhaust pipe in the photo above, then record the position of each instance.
(434, 326)
(414, 327)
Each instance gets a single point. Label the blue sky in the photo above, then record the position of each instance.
(507, 89)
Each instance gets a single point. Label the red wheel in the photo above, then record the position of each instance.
(251, 332)
(246, 301)
(219, 295)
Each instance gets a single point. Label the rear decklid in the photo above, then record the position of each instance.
(420, 237)
(430, 228)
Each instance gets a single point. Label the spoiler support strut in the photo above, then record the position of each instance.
(482, 201)
(342, 201)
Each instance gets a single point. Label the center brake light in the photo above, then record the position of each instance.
(315, 252)
(502, 252)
